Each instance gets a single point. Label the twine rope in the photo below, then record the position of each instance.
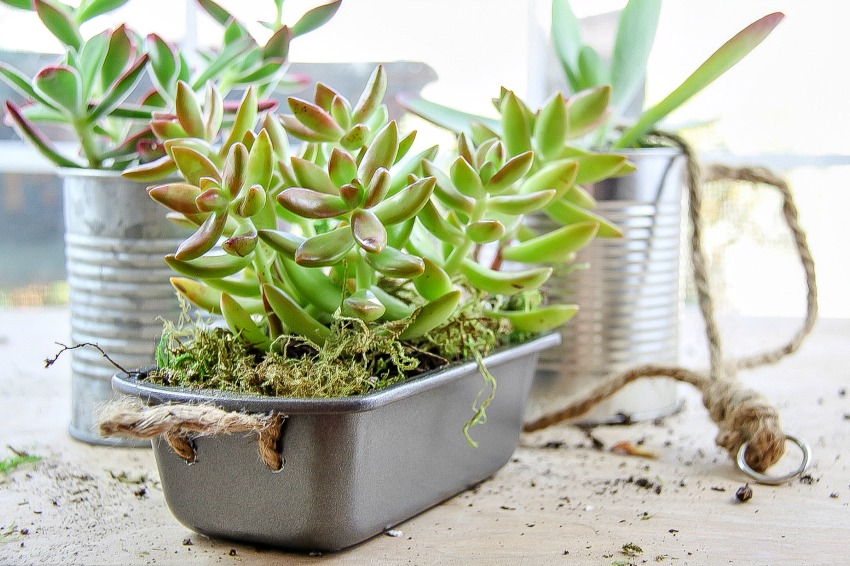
(742, 415)
(181, 423)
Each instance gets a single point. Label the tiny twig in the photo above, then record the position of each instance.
(50, 361)
(496, 264)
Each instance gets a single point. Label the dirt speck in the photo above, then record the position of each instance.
(744, 493)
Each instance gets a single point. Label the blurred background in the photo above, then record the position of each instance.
(785, 106)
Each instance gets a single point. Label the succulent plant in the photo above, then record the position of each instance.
(359, 225)
(584, 67)
(90, 91)
(586, 71)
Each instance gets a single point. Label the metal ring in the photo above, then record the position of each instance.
(776, 480)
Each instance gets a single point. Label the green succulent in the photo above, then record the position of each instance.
(584, 68)
(589, 75)
(357, 223)
(90, 90)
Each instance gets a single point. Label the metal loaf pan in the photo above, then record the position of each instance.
(354, 467)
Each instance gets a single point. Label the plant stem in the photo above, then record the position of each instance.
(87, 143)
(457, 255)
(362, 270)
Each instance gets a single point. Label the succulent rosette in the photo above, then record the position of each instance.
(357, 224)
(91, 92)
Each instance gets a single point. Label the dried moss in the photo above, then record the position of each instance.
(357, 358)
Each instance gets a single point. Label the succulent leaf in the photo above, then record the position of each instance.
(485, 231)
(434, 222)
(308, 203)
(380, 153)
(504, 282)
(515, 169)
(193, 165)
(277, 47)
(355, 138)
(189, 111)
(21, 83)
(325, 249)
(209, 266)
(315, 118)
(253, 202)
(446, 191)
(311, 175)
(285, 243)
(119, 90)
(246, 117)
(540, 319)
(432, 315)
(315, 18)
(363, 304)
(203, 239)
(556, 246)
(434, 281)
(394, 308)
(406, 203)
(179, 197)
(259, 171)
(521, 203)
(119, 53)
(368, 231)
(296, 319)
(729, 54)
(559, 176)
(198, 293)
(298, 130)
(150, 172)
(596, 167)
(235, 171)
(341, 112)
(567, 213)
(516, 130)
(378, 189)
(314, 285)
(465, 178)
(587, 110)
(372, 96)
(240, 323)
(550, 127)
(164, 63)
(59, 21)
(341, 167)
(28, 131)
(243, 241)
(395, 263)
(63, 86)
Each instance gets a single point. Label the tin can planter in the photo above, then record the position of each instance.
(631, 296)
(354, 466)
(118, 283)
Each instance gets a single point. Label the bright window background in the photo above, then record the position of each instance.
(784, 106)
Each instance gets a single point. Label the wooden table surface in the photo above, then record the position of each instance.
(565, 497)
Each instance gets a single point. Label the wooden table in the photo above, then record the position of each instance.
(563, 498)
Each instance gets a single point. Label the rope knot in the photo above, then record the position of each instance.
(743, 415)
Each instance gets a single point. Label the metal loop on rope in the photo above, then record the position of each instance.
(776, 480)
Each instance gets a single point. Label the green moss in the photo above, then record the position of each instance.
(357, 358)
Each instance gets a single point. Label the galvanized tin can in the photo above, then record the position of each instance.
(631, 296)
(353, 466)
(115, 240)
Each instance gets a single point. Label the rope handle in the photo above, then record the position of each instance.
(748, 425)
(180, 423)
